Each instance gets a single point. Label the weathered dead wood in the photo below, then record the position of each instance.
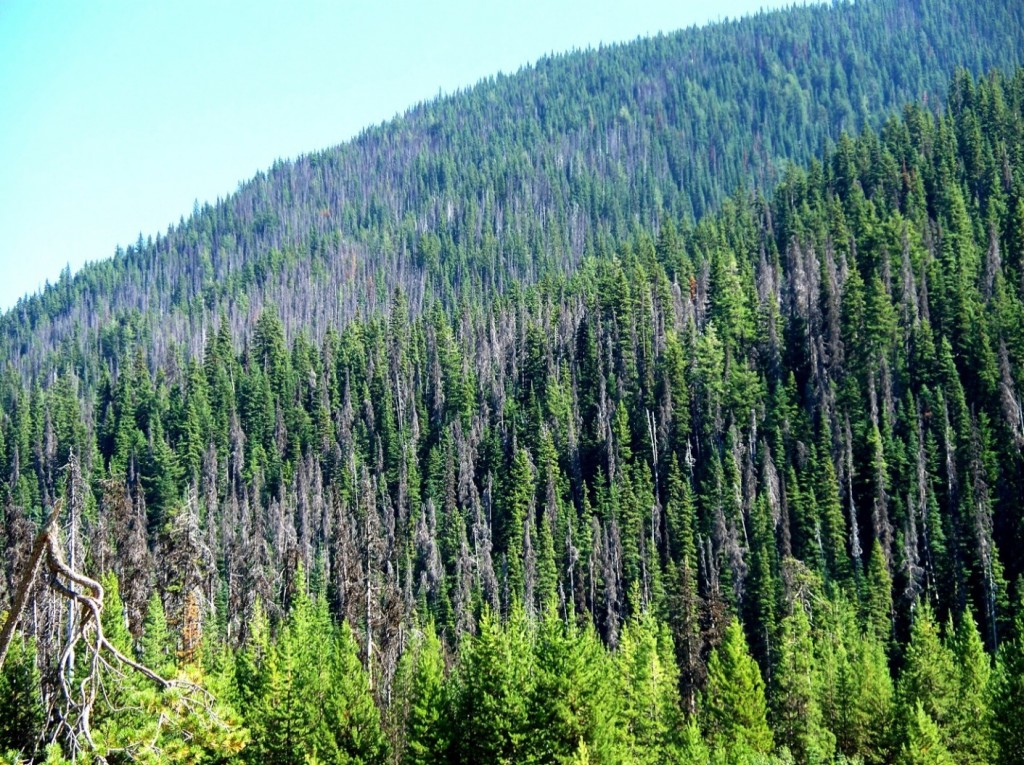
(78, 695)
(35, 561)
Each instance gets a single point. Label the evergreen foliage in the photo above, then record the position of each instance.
(734, 704)
(502, 435)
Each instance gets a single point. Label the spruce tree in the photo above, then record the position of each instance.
(21, 702)
(924, 743)
(797, 718)
(1007, 699)
(424, 733)
(734, 706)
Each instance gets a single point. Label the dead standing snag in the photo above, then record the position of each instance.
(78, 695)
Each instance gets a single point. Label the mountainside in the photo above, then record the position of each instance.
(522, 175)
(743, 488)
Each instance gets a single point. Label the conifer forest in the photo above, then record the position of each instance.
(661, 403)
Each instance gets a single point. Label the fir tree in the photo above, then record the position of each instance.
(734, 706)
(1007, 699)
(21, 702)
(424, 733)
(797, 719)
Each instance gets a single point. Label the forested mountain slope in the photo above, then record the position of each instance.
(742, 488)
(520, 176)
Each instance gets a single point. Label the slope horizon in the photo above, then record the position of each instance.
(194, 155)
(680, 511)
(658, 403)
(653, 129)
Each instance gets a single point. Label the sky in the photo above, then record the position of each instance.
(116, 116)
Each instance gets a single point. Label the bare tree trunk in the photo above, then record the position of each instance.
(85, 598)
(35, 562)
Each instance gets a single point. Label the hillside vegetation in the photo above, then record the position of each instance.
(731, 486)
(521, 176)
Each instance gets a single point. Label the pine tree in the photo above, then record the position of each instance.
(21, 702)
(797, 719)
(855, 689)
(970, 739)
(182, 722)
(872, 710)
(547, 571)
(1007, 699)
(157, 648)
(826, 491)
(761, 598)
(877, 597)
(520, 504)
(734, 706)
(314, 696)
(681, 575)
(928, 678)
(424, 734)
(693, 749)
(648, 691)
(488, 716)
(573, 699)
(924, 744)
(115, 625)
(350, 712)
(283, 716)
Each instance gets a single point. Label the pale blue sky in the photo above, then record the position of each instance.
(116, 116)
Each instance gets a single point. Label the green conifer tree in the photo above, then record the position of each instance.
(157, 646)
(1007, 699)
(924, 744)
(573, 701)
(649, 691)
(488, 715)
(970, 739)
(734, 705)
(877, 598)
(424, 734)
(797, 718)
(928, 678)
(21, 702)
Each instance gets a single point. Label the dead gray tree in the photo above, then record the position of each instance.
(79, 694)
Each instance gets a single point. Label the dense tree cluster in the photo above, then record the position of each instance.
(520, 176)
(743, 489)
